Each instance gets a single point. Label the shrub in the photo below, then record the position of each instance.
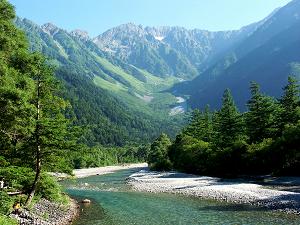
(5, 220)
(6, 203)
(49, 188)
(19, 178)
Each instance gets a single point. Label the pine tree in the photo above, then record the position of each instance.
(52, 134)
(229, 125)
(289, 104)
(158, 158)
(194, 128)
(260, 119)
(200, 125)
(33, 127)
(16, 87)
(207, 125)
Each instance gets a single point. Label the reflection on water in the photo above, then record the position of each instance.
(113, 203)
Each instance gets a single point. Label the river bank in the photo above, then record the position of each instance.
(80, 173)
(240, 192)
(45, 212)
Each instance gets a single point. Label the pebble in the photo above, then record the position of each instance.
(48, 213)
(213, 188)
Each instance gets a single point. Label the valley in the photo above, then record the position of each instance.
(189, 114)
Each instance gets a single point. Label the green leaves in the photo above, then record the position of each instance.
(229, 122)
(261, 117)
(158, 158)
(226, 143)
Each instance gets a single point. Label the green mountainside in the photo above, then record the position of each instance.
(123, 83)
(119, 102)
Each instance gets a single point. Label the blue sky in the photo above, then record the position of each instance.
(96, 16)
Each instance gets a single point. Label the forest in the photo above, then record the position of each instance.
(263, 140)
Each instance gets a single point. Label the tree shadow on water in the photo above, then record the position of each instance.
(232, 208)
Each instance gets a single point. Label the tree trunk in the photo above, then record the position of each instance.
(38, 149)
(36, 179)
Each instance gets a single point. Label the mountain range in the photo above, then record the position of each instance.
(268, 56)
(124, 82)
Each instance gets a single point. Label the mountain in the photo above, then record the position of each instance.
(169, 51)
(267, 56)
(117, 102)
(119, 82)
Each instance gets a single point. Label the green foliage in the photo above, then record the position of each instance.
(17, 178)
(263, 149)
(261, 116)
(228, 122)
(49, 188)
(105, 156)
(190, 154)
(21, 179)
(6, 204)
(7, 221)
(158, 157)
(33, 127)
(285, 151)
(289, 102)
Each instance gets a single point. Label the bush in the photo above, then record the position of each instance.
(259, 157)
(7, 221)
(6, 203)
(286, 151)
(18, 178)
(21, 178)
(49, 188)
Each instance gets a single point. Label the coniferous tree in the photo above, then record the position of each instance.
(52, 134)
(16, 87)
(260, 119)
(158, 158)
(200, 125)
(194, 128)
(289, 104)
(229, 125)
(32, 124)
(207, 125)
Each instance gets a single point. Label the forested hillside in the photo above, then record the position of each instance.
(263, 140)
(107, 95)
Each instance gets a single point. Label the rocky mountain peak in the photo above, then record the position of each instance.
(50, 28)
(81, 34)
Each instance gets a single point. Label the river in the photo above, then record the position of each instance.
(114, 203)
(180, 107)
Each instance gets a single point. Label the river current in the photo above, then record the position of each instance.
(114, 203)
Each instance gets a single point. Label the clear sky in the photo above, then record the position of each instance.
(96, 16)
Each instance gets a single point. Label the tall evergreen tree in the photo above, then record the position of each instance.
(200, 125)
(207, 125)
(290, 103)
(16, 87)
(32, 124)
(229, 121)
(260, 119)
(158, 158)
(194, 128)
(52, 134)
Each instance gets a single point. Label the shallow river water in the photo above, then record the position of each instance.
(113, 203)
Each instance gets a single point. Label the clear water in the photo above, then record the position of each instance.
(113, 203)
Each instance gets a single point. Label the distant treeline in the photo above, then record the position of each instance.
(263, 140)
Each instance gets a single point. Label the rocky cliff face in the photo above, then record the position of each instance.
(191, 51)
